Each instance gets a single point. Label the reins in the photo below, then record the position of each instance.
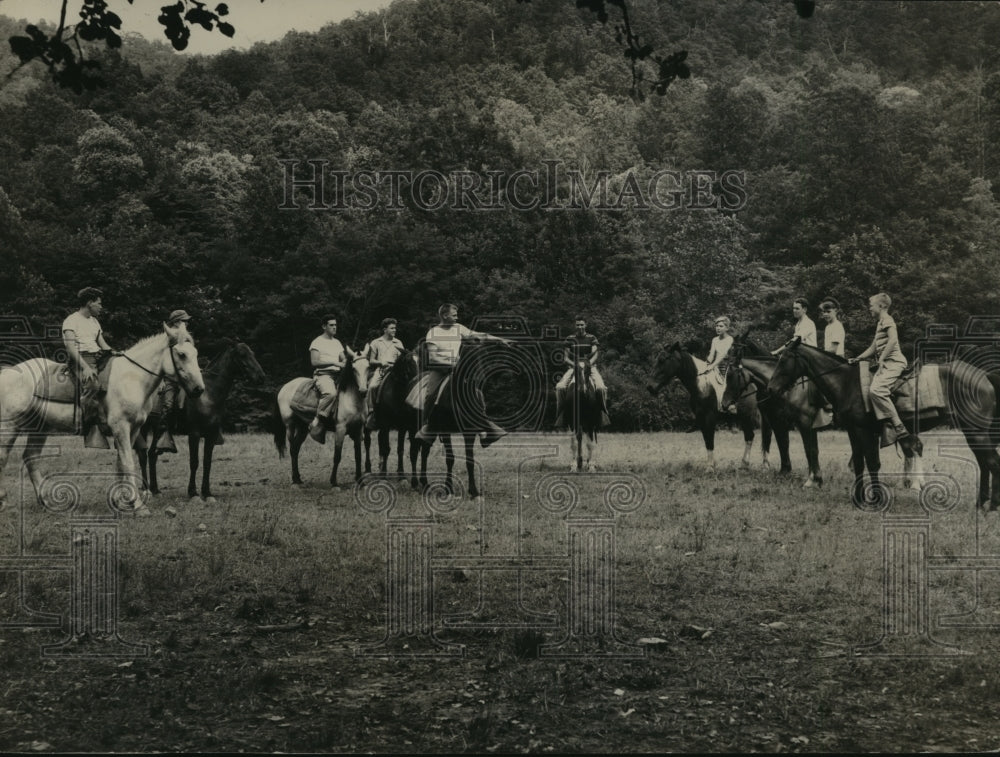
(161, 375)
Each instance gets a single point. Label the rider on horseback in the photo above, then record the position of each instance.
(88, 353)
(833, 335)
(442, 345)
(381, 354)
(169, 392)
(891, 364)
(805, 328)
(717, 361)
(328, 356)
(581, 345)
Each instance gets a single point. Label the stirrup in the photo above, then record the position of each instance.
(94, 439)
(495, 434)
(317, 430)
(166, 442)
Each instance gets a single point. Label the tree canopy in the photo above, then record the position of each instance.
(855, 144)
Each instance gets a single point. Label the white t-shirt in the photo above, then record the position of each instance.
(806, 329)
(443, 343)
(329, 350)
(87, 331)
(834, 333)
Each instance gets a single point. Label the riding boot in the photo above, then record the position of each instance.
(92, 423)
(560, 400)
(370, 399)
(910, 444)
(605, 416)
(93, 437)
(493, 434)
(165, 441)
(888, 434)
(317, 430)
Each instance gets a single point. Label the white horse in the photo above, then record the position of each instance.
(28, 406)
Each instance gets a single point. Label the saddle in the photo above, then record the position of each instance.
(59, 384)
(918, 389)
(306, 399)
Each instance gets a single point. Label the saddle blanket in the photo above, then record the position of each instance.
(306, 399)
(923, 389)
(58, 384)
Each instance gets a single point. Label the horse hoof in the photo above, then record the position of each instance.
(808, 484)
(210, 500)
(194, 500)
(591, 468)
(573, 469)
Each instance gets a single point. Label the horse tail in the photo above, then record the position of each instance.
(278, 429)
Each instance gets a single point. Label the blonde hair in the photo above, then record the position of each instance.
(723, 319)
(881, 299)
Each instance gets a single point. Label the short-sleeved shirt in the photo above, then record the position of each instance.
(384, 351)
(806, 330)
(444, 343)
(329, 351)
(581, 347)
(885, 323)
(87, 330)
(834, 334)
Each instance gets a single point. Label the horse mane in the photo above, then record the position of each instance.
(404, 369)
(347, 379)
(837, 358)
(147, 339)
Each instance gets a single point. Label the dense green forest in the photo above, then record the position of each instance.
(863, 134)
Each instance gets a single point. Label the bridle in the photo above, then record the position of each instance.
(806, 376)
(162, 374)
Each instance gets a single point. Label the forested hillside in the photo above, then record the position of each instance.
(865, 134)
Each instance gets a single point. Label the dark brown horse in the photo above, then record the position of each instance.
(203, 417)
(461, 409)
(677, 362)
(797, 408)
(392, 413)
(970, 405)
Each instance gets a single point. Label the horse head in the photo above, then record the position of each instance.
(185, 368)
(248, 363)
(405, 368)
(355, 373)
(667, 367)
(790, 367)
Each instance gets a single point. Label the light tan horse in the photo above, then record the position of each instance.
(291, 427)
(28, 405)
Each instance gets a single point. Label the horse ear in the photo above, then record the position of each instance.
(675, 347)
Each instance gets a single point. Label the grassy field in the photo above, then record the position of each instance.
(262, 612)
